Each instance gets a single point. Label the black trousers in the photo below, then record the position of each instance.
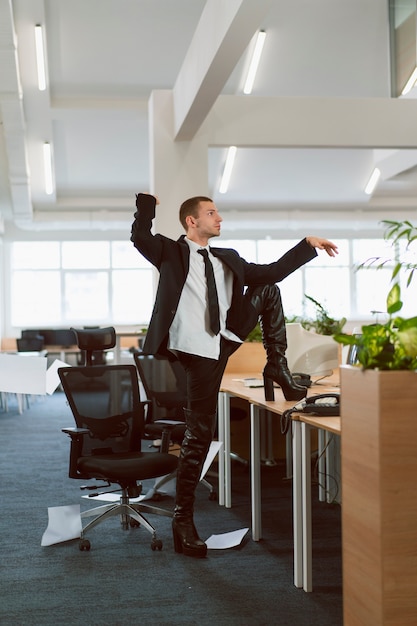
(204, 377)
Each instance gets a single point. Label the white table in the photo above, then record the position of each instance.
(232, 385)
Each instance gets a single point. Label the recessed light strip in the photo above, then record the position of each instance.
(228, 167)
(372, 182)
(40, 57)
(253, 67)
(47, 160)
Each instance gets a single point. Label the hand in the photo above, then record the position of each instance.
(146, 194)
(323, 244)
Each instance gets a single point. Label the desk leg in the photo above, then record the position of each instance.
(226, 452)
(333, 468)
(322, 459)
(225, 470)
(255, 473)
(220, 435)
(297, 503)
(118, 350)
(306, 490)
(288, 453)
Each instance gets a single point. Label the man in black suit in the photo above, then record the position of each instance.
(183, 326)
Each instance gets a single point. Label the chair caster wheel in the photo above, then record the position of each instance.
(134, 523)
(156, 545)
(84, 545)
(213, 495)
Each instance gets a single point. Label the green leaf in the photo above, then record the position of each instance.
(346, 340)
(394, 303)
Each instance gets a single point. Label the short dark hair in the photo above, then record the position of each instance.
(190, 207)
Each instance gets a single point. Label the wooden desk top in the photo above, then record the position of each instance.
(58, 349)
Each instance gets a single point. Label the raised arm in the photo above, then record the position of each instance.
(149, 245)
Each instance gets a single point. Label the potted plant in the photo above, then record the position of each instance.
(323, 324)
(379, 461)
(393, 344)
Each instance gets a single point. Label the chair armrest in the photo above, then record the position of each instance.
(75, 432)
(76, 435)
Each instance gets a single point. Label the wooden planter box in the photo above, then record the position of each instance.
(379, 497)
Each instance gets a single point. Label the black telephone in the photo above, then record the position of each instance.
(323, 404)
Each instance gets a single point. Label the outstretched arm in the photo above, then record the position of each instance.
(323, 244)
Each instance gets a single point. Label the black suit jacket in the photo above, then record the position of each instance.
(171, 258)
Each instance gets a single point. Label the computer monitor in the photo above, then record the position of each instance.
(311, 353)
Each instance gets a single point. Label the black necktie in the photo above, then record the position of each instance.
(213, 300)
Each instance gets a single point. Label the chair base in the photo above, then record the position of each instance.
(235, 457)
(127, 511)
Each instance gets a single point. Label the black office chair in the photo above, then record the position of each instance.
(165, 388)
(30, 343)
(88, 338)
(106, 442)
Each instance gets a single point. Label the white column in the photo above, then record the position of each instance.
(179, 169)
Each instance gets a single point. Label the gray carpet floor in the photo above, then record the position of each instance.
(121, 580)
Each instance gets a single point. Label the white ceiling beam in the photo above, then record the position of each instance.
(221, 37)
(394, 162)
(312, 122)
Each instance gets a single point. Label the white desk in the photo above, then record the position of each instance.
(232, 386)
(302, 425)
(23, 374)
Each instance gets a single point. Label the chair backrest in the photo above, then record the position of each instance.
(33, 343)
(164, 382)
(105, 400)
(94, 341)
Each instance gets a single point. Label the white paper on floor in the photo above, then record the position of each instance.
(64, 524)
(52, 376)
(226, 540)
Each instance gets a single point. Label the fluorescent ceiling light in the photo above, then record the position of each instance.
(47, 161)
(40, 57)
(372, 182)
(228, 166)
(410, 82)
(253, 67)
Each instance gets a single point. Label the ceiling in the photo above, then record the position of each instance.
(106, 57)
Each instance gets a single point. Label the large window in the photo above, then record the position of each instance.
(73, 282)
(101, 282)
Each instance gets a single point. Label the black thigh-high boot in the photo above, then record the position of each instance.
(197, 439)
(267, 301)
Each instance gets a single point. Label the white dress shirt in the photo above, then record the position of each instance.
(190, 330)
